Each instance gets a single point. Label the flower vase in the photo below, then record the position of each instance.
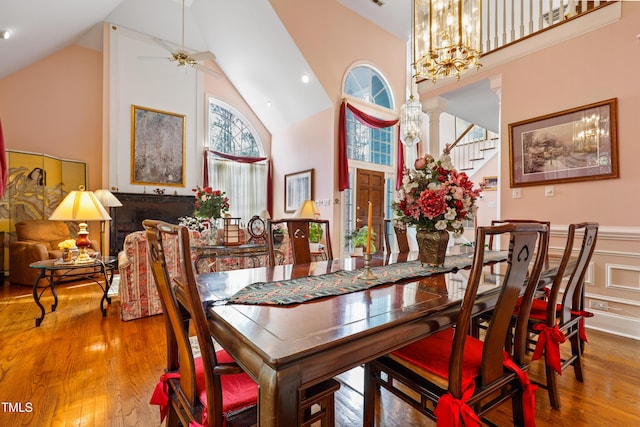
(66, 255)
(432, 246)
(212, 236)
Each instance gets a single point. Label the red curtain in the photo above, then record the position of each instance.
(239, 159)
(367, 120)
(3, 164)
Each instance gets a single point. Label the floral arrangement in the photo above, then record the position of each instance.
(192, 223)
(67, 244)
(210, 203)
(435, 196)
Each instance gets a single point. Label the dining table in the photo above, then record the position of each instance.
(292, 326)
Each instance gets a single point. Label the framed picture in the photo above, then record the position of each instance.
(298, 187)
(490, 183)
(572, 145)
(157, 147)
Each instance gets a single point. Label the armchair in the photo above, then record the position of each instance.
(37, 240)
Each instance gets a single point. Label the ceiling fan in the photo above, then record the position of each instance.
(183, 58)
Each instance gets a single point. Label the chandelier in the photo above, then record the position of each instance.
(447, 37)
(410, 122)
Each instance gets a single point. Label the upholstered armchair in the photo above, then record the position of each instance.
(37, 240)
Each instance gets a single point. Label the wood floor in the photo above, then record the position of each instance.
(80, 369)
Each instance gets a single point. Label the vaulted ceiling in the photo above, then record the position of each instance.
(41, 27)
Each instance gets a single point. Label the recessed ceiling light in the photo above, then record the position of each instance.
(269, 104)
(5, 34)
(305, 79)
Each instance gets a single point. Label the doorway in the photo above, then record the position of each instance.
(370, 187)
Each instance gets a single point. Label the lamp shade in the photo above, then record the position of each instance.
(308, 209)
(107, 199)
(80, 206)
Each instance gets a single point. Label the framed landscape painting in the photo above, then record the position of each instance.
(157, 147)
(572, 145)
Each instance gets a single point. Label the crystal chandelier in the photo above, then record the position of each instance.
(447, 37)
(410, 122)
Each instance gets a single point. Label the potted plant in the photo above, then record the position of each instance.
(315, 234)
(278, 235)
(358, 239)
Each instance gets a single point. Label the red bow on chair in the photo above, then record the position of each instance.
(581, 332)
(549, 340)
(528, 392)
(452, 412)
(161, 393)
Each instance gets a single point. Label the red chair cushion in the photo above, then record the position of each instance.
(538, 309)
(432, 355)
(238, 391)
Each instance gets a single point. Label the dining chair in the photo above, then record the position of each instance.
(295, 247)
(453, 377)
(552, 323)
(492, 243)
(210, 389)
(400, 233)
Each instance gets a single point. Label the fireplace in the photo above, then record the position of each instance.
(138, 207)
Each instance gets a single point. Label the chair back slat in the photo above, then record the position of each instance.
(528, 243)
(401, 238)
(295, 246)
(572, 298)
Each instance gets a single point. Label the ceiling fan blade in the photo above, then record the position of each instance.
(207, 70)
(153, 58)
(164, 45)
(202, 56)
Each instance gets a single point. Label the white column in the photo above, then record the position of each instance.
(433, 107)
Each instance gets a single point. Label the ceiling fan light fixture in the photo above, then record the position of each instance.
(5, 34)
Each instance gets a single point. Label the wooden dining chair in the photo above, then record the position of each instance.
(493, 244)
(211, 389)
(552, 323)
(450, 375)
(400, 233)
(295, 248)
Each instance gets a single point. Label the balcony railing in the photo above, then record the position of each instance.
(506, 22)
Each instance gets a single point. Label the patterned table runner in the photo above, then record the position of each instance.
(296, 291)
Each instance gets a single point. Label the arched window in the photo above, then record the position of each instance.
(230, 133)
(363, 143)
(368, 148)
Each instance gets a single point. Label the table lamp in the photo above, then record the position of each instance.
(109, 201)
(308, 209)
(80, 205)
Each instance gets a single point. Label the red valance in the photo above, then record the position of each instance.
(367, 120)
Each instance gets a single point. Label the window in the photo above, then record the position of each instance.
(229, 132)
(373, 147)
(364, 143)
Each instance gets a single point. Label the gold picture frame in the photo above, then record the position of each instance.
(157, 147)
(490, 183)
(572, 145)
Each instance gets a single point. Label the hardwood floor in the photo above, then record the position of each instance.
(80, 369)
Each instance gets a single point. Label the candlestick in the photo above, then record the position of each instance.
(366, 273)
(369, 220)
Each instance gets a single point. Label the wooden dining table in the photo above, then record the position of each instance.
(288, 348)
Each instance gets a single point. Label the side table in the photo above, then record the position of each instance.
(53, 270)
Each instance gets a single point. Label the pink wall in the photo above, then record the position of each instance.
(592, 67)
(332, 41)
(55, 107)
(599, 65)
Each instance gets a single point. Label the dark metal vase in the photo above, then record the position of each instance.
(432, 246)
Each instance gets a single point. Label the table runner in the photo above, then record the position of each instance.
(296, 291)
